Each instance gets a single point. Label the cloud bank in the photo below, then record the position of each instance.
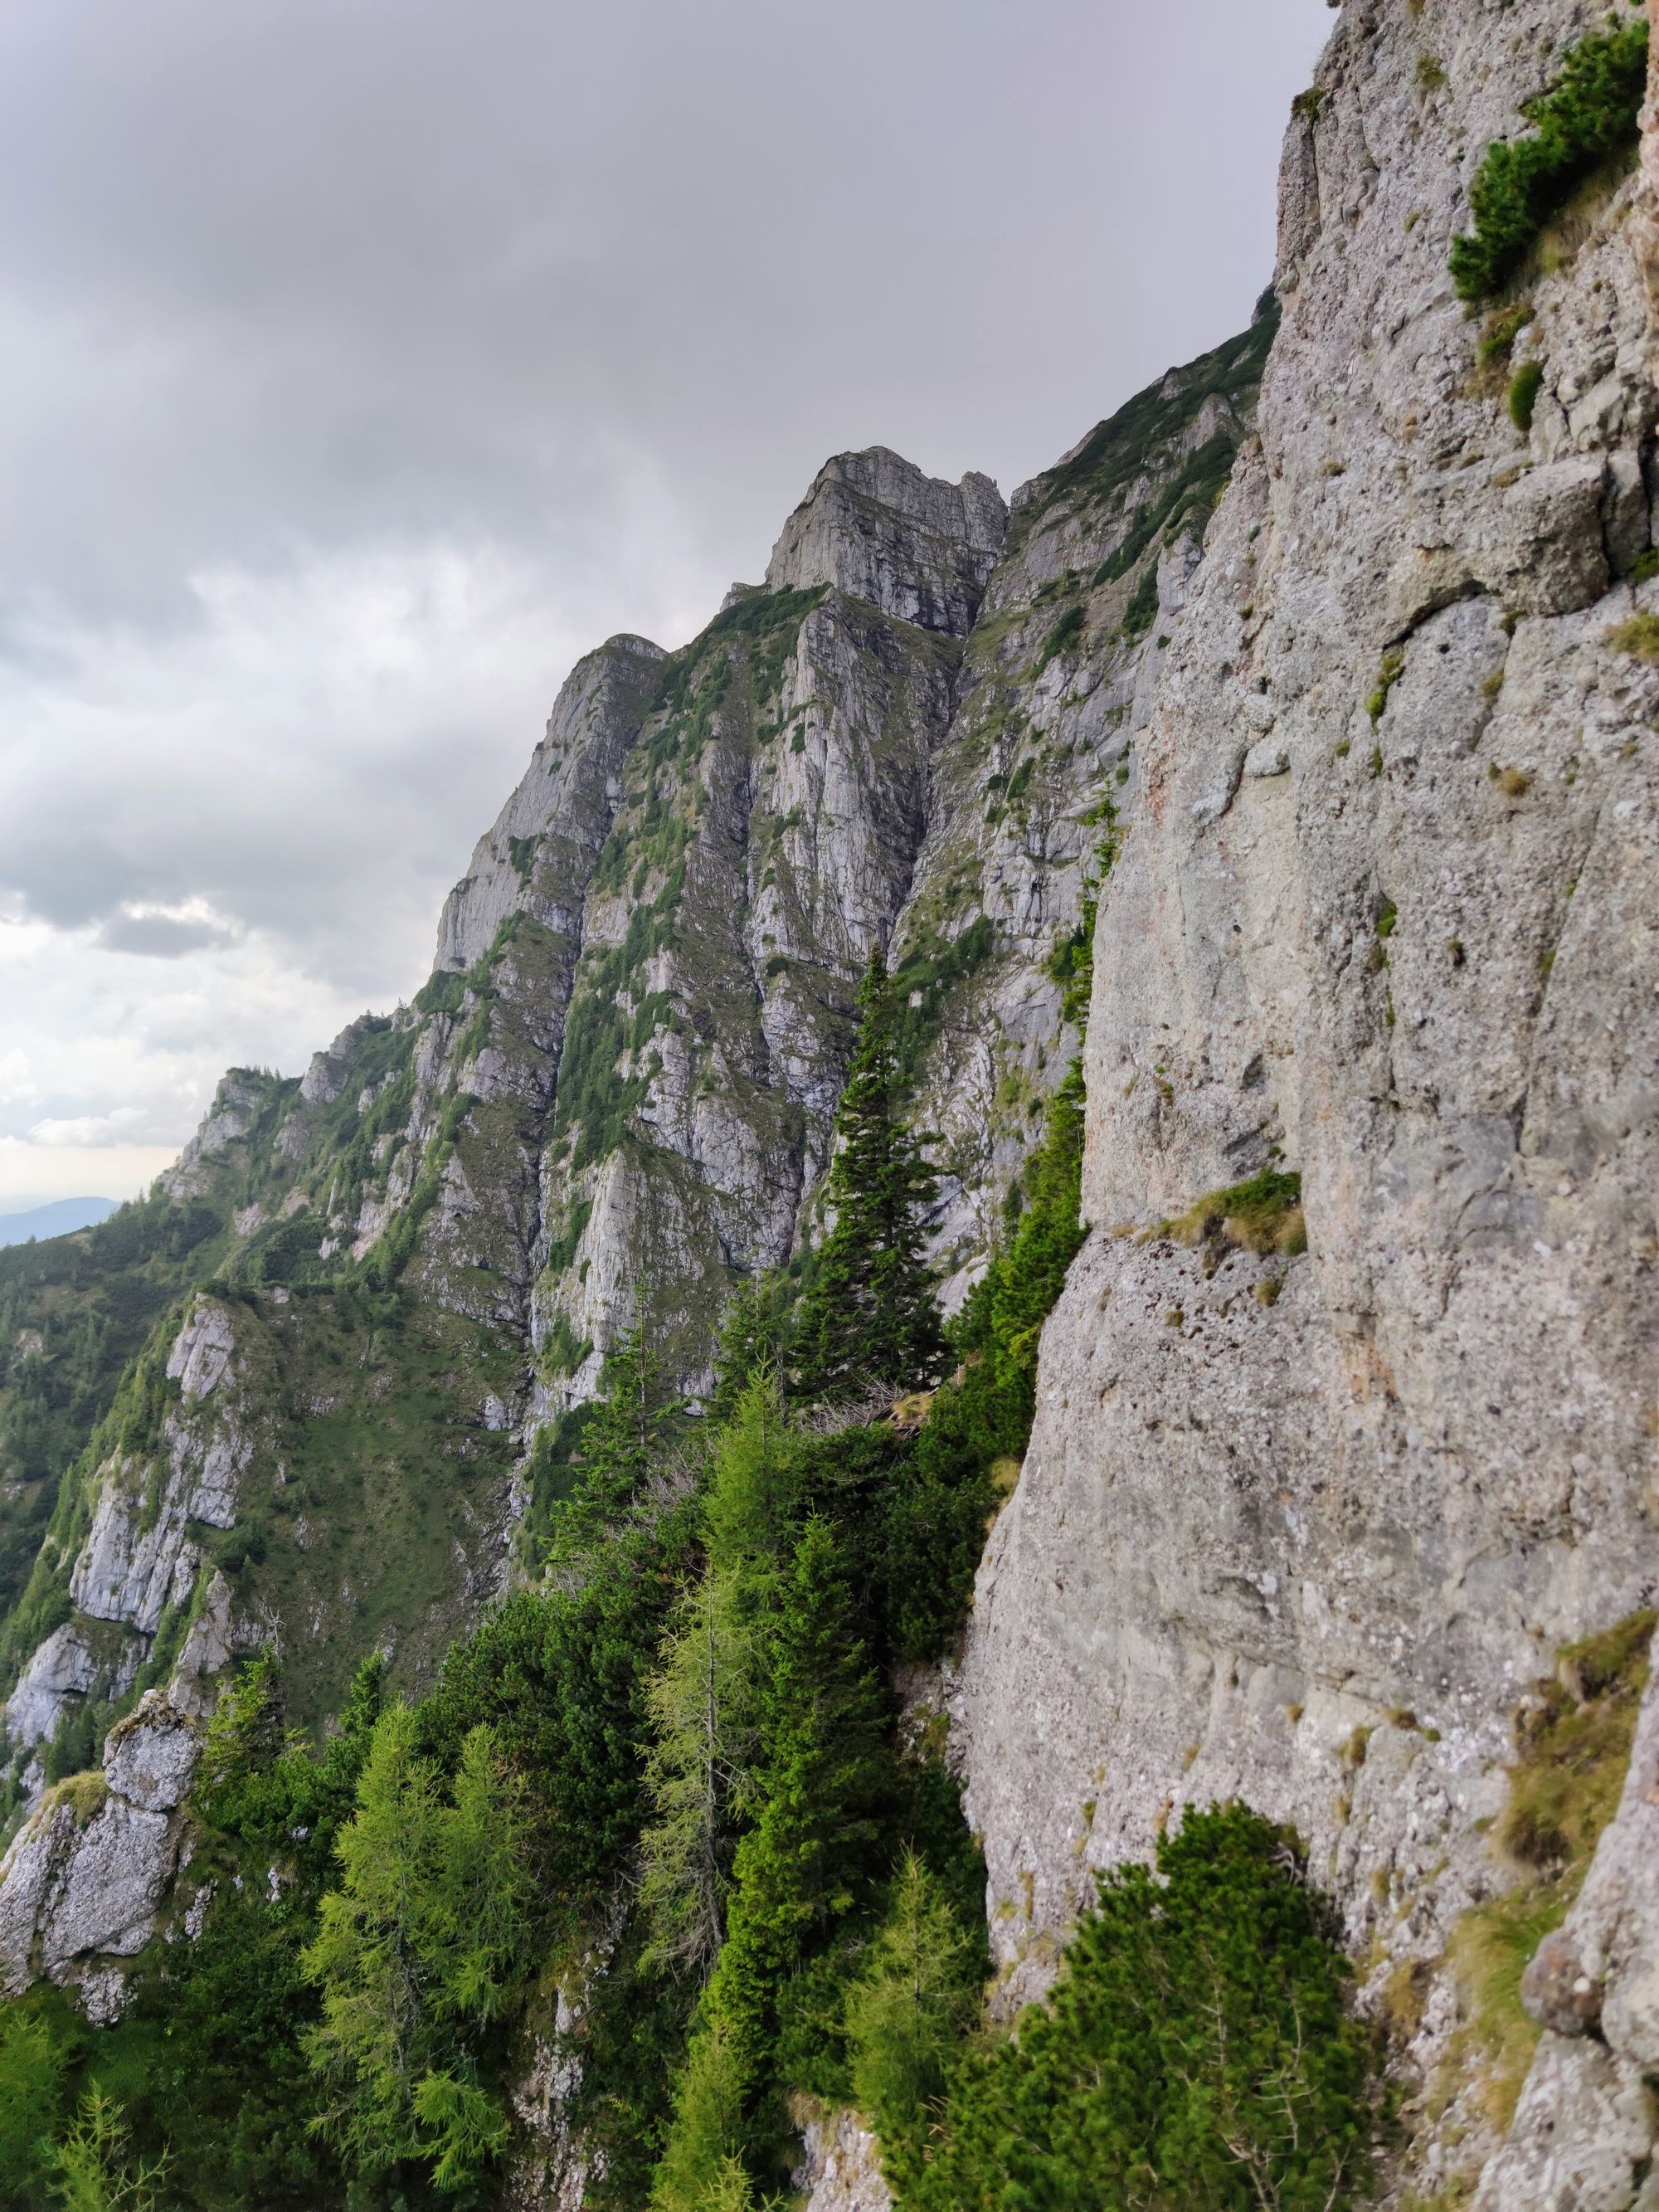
(369, 359)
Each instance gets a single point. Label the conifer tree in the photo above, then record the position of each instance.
(908, 2012)
(636, 1422)
(871, 1315)
(32, 2067)
(705, 1700)
(799, 1873)
(412, 1954)
(93, 2173)
(707, 2130)
(807, 1862)
(754, 1340)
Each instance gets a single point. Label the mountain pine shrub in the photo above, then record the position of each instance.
(1587, 118)
(1195, 2051)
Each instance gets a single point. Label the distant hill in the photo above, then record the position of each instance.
(58, 1219)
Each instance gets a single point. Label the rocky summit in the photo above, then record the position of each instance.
(1284, 758)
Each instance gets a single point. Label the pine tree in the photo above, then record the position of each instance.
(1195, 2050)
(871, 1317)
(806, 1863)
(708, 2127)
(754, 1340)
(93, 2169)
(703, 1707)
(32, 2067)
(799, 1876)
(907, 2014)
(705, 1700)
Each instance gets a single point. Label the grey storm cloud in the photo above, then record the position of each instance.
(367, 360)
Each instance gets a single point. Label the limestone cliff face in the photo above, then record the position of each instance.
(1387, 916)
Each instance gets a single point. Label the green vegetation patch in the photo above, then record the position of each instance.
(1573, 1736)
(926, 981)
(1524, 388)
(1263, 1215)
(1639, 637)
(1196, 2050)
(1587, 120)
(692, 683)
(1115, 453)
(1065, 637)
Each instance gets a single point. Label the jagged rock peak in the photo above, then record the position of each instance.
(915, 546)
(571, 780)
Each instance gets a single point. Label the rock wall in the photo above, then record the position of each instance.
(1386, 917)
(611, 1102)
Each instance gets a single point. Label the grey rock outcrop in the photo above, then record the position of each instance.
(841, 2165)
(84, 1879)
(1300, 1529)
(875, 527)
(62, 1668)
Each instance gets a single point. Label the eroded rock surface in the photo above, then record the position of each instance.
(85, 1877)
(1300, 1529)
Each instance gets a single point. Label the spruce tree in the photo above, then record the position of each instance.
(636, 1424)
(754, 1341)
(871, 1315)
(807, 1862)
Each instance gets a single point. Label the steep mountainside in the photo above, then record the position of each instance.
(1329, 668)
(611, 1103)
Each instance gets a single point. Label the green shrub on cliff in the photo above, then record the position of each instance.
(1587, 118)
(1194, 2051)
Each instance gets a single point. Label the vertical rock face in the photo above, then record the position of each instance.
(1387, 918)
(875, 527)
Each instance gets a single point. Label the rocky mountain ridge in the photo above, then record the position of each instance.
(1341, 1492)
(610, 1103)
(1309, 1528)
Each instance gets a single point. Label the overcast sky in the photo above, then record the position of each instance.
(367, 361)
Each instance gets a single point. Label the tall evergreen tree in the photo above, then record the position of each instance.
(413, 1955)
(754, 1340)
(871, 1315)
(916, 1999)
(808, 1861)
(637, 1421)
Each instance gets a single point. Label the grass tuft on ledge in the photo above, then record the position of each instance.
(1263, 1216)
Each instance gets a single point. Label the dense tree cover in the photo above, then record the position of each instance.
(869, 1315)
(1194, 2051)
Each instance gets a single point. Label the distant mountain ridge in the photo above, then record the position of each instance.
(60, 1217)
